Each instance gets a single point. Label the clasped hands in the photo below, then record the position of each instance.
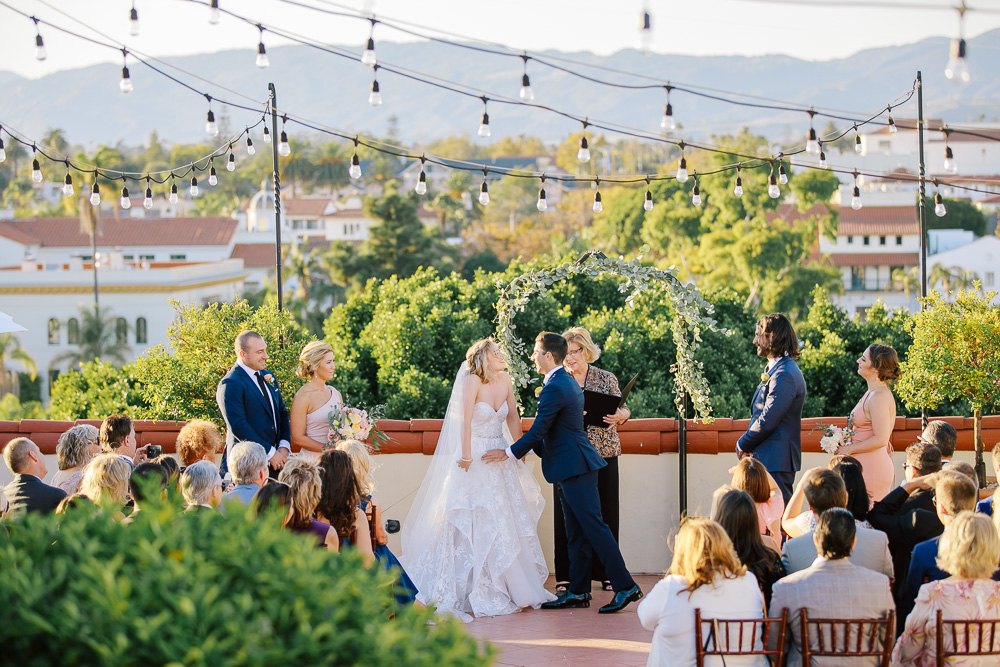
(279, 458)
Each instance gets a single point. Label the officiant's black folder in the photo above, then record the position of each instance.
(597, 405)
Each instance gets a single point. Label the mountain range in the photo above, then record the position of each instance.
(333, 92)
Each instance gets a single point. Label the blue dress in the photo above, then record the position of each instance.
(403, 589)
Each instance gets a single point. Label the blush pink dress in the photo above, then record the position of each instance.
(879, 472)
(318, 425)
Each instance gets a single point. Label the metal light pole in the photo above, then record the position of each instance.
(682, 463)
(922, 206)
(273, 102)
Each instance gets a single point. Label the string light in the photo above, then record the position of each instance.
(738, 190)
(598, 206)
(231, 162)
(211, 127)
(40, 52)
(949, 157)
(267, 134)
(173, 191)
(857, 141)
(95, 195)
(133, 22)
(782, 175)
(583, 155)
(823, 164)
(36, 169)
(696, 193)
(421, 187)
(125, 201)
(67, 188)
(812, 143)
(682, 167)
(213, 178)
(214, 15)
(892, 123)
(3, 151)
(125, 85)
(194, 190)
(647, 204)
(668, 123)
(284, 148)
(856, 194)
(262, 60)
(147, 201)
(773, 191)
(939, 209)
(957, 69)
(526, 94)
(355, 169)
(484, 191)
(542, 204)
(368, 56)
(645, 43)
(484, 126)
(250, 147)
(375, 98)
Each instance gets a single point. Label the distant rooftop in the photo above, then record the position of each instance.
(124, 232)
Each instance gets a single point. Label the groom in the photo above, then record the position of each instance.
(570, 463)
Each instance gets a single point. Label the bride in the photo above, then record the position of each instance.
(470, 541)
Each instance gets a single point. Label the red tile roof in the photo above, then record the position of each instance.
(254, 255)
(992, 199)
(873, 259)
(299, 207)
(125, 232)
(790, 213)
(878, 221)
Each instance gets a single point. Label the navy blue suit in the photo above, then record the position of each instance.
(247, 413)
(570, 463)
(775, 434)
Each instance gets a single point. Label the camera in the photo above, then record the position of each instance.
(392, 526)
(153, 451)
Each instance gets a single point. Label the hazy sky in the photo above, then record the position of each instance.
(808, 29)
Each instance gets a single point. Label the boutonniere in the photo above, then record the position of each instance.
(268, 378)
(764, 378)
(538, 391)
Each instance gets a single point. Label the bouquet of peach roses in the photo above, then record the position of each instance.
(835, 437)
(356, 424)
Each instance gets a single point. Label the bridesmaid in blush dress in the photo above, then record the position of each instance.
(874, 417)
(314, 401)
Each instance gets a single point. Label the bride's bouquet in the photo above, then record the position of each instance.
(835, 437)
(356, 424)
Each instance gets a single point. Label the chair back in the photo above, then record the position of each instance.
(847, 637)
(740, 636)
(961, 638)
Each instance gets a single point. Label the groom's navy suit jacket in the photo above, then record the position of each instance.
(775, 433)
(247, 414)
(557, 434)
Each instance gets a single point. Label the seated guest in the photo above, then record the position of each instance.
(907, 515)
(825, 489)
(735, 512)
(146, 479)
(302, 478)
(751, 476)
(705, 574)
(963, 468)
(105, 481)
(73, 502)
(201, 486)
(75, 449)
(274, 497)
(118, 437)
(953, 493)
(199, 440)
(339, 503)
(27, 493)
(247, 462)
(986, 505)
(858, 500)
(943, 436)
(832, 587)
(969, 551)
(169, 463)
(837, 459)
(797, 522)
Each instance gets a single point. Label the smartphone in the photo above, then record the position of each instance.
(153, 451)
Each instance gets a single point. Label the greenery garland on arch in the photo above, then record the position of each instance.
(691, 317)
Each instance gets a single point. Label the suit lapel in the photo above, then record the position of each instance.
(255, 388)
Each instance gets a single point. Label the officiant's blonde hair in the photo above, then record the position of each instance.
(477, 356)
(581, 337)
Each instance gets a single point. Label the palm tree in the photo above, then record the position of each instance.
(906, 280)
(951, 277)
(54, 139)
(11, 350)
(99, 339)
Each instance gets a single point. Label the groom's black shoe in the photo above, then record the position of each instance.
(567, 599)
(621, 600)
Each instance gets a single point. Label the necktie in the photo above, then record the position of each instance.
(267, 397)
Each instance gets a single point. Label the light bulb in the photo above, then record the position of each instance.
(598, 206)
(542, 204)
(782, 176)
(231, 163)
(583, 155)
(213, 178)
(211, 128)
(823, 164)
(956, 70)
(214, 15)
(772, 189)
(939, 209)
(892, 126)
(526, 93)
(125, 85)
(173, 194)
(147, 201)
(368, 57)
(355, 170)
(484, 194)
(194, 190)
(284, 148)
(645, 43)
(250, 149)
(267, 135)
(856, 199)
(95, 195)
(133, 20)
(375, 98)
(696, 196)
(949, 161)
(668, 123)
(421, 188)
(262, 60)
(812, 144)
(857, 144)
(682, 171)
(68, 187)
(648, 204)
(125, 201)
(738, 190)
(3, 152)
(36, 171)
(484, 127)
(40, 52)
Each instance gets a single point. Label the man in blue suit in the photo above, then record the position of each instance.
(251, 403)
(775, 434)
(570, 463)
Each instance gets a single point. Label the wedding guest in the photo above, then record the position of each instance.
(963, 468)
(27, 492)
(314, 401)
(858, 502)
(105, 481)
(705, 574)
(775, 433)
(942, 435)
(339, 503)
(75, 449)
(199, 440)
(118, 437)
(736, 513)
(825, 489)
(201, 486)
(248, 465)
(304, 489)
(837, 459)
(169, 463)
(969, 551)
(832, 587)
(986, 505)
(73, 502)
(874, 417)
(146, 481)
(581, 354)
(274, 497)
(953, 493)
(751, 476)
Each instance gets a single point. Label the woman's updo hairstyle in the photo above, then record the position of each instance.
(885, 362)
(478, 359)
(311, 357)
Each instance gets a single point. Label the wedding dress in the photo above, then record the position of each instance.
(470, 541)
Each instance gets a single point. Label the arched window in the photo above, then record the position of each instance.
(53, 331)
(121, 331)
(73, 331)
(140, 330)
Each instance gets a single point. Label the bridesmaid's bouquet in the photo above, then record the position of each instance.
(356, 424)
(835, 437)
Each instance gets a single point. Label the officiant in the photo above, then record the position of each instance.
(582, 352)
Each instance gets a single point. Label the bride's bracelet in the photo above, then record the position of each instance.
(465, 460)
